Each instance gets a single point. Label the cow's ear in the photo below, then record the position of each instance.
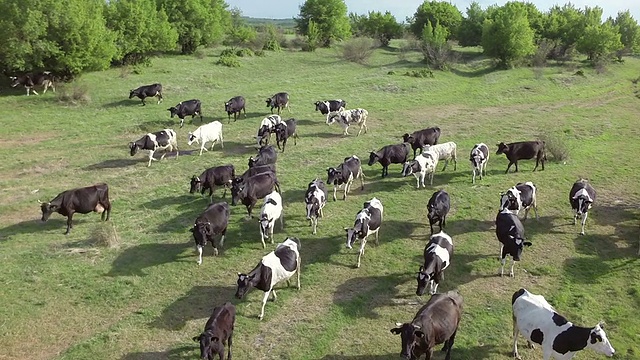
(346, 229)
(419, 333)
(396, 330)
(196, 338)
(527, 243)
(421, 268)
(215, 339)
(192, 229)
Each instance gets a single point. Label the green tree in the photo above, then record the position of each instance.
(330, 17)
(239, 33)
(313, 36)
(435, 47)
(507, 36)
(629, 32)
(470, 30)
(377, 25)
(599, 41)
(441, 12)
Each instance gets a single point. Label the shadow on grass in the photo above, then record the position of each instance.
(123, 102)
(474, 73)
(294, 195)
(35, 226)
(324, 135)
(458, 353)
(359, 297)
(116, 163)
(181, 353)
(463, 226)
(233, 148)
(317, 249)
(362, 357)
(134, 260)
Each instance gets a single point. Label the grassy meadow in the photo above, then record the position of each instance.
(65, 297)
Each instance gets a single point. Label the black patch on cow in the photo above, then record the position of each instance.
(263, 273)
(595, 338)
(516, 295)
(558, 319)
(573, 339)
(288, 258)
(537, 336)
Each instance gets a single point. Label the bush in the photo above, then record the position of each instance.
(358, 49)
(229, 60)
(105, 235)
(298, 42)
(422, 73)
(73, 94)
(259, 53)
(244, 53)
(554, 146)
(228, 52)
(199, 54)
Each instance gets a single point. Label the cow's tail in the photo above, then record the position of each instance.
(277, 186)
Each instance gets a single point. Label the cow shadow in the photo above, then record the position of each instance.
(157, 125)
(35, 226)
(475, 352)
(463, 270)
(319, 249)
(233, 148)
(401, 230)
(461, 353)
(121, 103)
(324, 135)
(393, 356)
(464, 226)
(134, 260)
(115, 163)
(306, 122)
(296, 195)
(181, 353)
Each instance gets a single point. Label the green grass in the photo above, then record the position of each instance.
(146, 298)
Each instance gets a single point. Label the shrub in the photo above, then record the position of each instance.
(229, 60)
(358, 49)
(437, 51)
(73, 94)
(298, 42)
(259, 53)
(244, 53)
(228, 52)
(422, 73)
(554, 146)
(199, 54)
(105, 235)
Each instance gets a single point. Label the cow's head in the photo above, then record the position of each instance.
(583, 202)
(244, 284)
(47, 209)
(14, 81)
(333, 175)
(510, 200)
(264, 223)
(271, 102)
(520, 243)
(408, 168)
(432, 215)
(412, 336)
(313, 206)
(133, 147)
(317, 103)
(423, 280)
(192, 138)
(133, 93)
(502, 148)
(373, 157)
(407, 138)
(196, 184)
(236, 193)
(173, 110)
(209, 344)
(599, 342)
(201, 232)
(227, 106)
(252, 161)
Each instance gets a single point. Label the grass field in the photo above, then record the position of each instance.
(62, 297)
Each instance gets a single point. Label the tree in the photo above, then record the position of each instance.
(435, 47)
(629, 32)
(470, 30)
(330, 17)
(377, 25)
(313, 36)
(441, 12)
(599, 41)
(239, 33)
(507, 36)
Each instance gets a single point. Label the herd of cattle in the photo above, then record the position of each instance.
(437, 321)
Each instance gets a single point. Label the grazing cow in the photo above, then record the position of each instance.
(255, 171)
(510, 233)
(267, 127)
(146, 91)
(418, 139)
(521, 196)
(284, 131)
(29, 81)
(438, 208)
(267, 154)
(205, 133)
(523, 150)
(347, 118)
(212, 177)
(279, 101)
(329, 106)
(539, 322)
(422, 165)
(186, 108)
(368, 221)
(252, 189)
(217, 331)
(213, 221)
(274, 267)
(581, 197)
(479, 158)
(81, 200)
(435, 323)
(159, 140)
(390, 154)
(446, 152)
(270, 212)
(315, 199)
(234, 106)
(437, 257)
(344, 175)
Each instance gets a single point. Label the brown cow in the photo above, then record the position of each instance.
(217, 331)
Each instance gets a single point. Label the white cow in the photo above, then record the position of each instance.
(205, 133)
(422, 165)
(271, 211)
(446, 152)
(347, 118)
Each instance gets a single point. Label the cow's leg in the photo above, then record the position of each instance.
(298, 272)
(150, 157)
(281, 221)
(535, 208)
(502, 262)
(45, 86)
(431, 226)
(202, 148)
(515, 339)
(230, 343)
(181, 122)
(473, 176)
(449, 345)
(264, 302)
(159, 96)
(143, 102)
(526, 212)
(335, 189)
(262, 236)
(359, 130)
(516, 164)
(361, 176)
(284, 144)
(575, 218)
(584, 221)
(363, 242)
(199, 250)
(429, 354)
(33, 91)
(69, 223)
(513, 263)
(446, 162)
(431, 178)
(314, 223)
(508, 167)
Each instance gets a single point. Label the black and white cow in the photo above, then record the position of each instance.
(344, 175)
(510, 233)
(29, 81)
(279, 101)
(81, 200)
(328, 106)
(191, 107)
(146, 91)
(581, 197)
(368, 222)
(390, 154)
(437, 257)
(418, 139)
(284, 131)
(234, 106)
(274, 267)
(267, 154)
(347, 118)
(315, 200)
(217, 331)
(271, 211)
(539, 323)
(479, 158)
(521, 196)
(256, 187)
(438, 208)
(523, 150)
(159, 140)
(266, 128)
(212, 222)
(216, 176)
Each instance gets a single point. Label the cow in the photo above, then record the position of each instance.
(315, 200)
(560, 339)
(252, 189)
(274, 267)
(437, 257)
(279, 101)
(267, 127)
(344, 175)
(212, 222)
(205, 133)
(330, 106)
(438, 208)
(159, 140)
(216, 176)
(521, 196)
(479, 158)
(267, 154)
(347, 118)
(422, 165)
(390, 154)
(435, 323)
(217, 331)
(446, 152)
(29, 81)
(510, 233)
(368, 222)
(81, 200)
(270, 212)
(581, 197)
(259, 169)
(191, 107)
(284, 131)
(523, 150)
(418, 139)
(146, 91)
(234, 106)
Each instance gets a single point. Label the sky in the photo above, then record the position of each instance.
(402, 9)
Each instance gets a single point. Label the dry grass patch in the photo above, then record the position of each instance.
(105, 235)
(73, 94)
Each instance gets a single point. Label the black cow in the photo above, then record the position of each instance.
(146, 91)
(418, 139)
(213, 221)
(254, 188)
(234, 106)
(279, 101)
(328, 106)
(284, 131)
(437, 257)
(212, 177)
(438, 208)
(523, 150)
(267, 154)
(29, 81)
(81, 200)
(390, 154)
(510, 233)
(255, 170)
(315, 200)
(159, 140)
(217, 331)
(581, 197)
(191, 107)
(344, 175)
(436, 322)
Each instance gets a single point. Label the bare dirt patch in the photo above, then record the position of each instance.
(21, 141)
